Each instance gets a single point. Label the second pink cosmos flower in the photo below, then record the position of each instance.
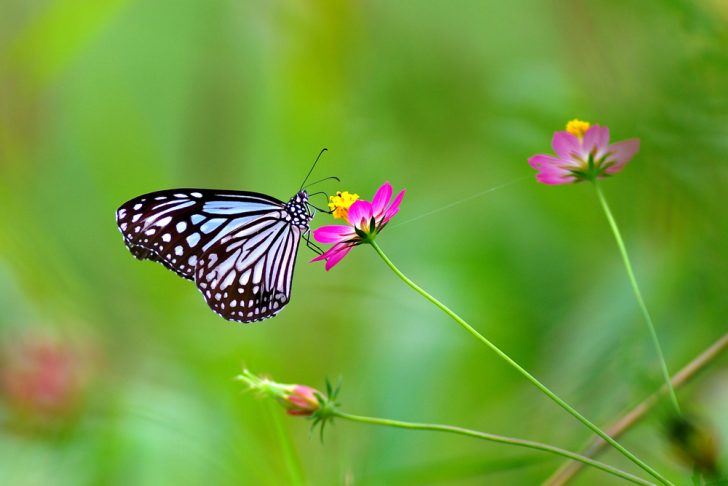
(583, 152)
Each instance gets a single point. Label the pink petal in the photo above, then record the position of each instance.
(381, 199)
(621, 153)
(334, 255)
(331, 262)
(596, 139)
(566, 145)
(394, 207)
(333, 233)
(328, 253)
(323, 256)
(540, 161)
(360, 211)
(554, 174)
(554, 179)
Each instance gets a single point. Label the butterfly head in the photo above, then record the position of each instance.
(297, 208)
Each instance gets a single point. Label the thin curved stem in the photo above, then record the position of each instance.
(293, 466)
(493, 438)
(638, 295)
(519, 368)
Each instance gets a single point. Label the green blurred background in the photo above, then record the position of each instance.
(103, 100)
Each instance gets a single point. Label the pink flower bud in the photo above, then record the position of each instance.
(298, 400)
(301, 400)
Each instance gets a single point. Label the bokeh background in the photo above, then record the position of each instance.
(116, 372)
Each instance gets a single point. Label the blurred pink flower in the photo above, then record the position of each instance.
(41, 377)
(366, 219)
(583, 152)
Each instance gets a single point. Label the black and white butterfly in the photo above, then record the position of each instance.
(239, 247)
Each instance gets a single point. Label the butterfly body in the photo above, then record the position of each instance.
(239, 247)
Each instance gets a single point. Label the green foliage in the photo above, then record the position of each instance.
(103, 100)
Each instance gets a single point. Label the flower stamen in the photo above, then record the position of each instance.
(577, 127)
(341, 202)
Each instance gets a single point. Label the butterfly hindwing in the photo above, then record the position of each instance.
(248, 276)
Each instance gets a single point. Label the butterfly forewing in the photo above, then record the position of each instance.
(239, 247)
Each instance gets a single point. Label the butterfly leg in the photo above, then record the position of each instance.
(318, 208)
(311, 244)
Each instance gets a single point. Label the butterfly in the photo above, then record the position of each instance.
(238, 247)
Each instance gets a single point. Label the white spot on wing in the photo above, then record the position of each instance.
(233, 207)
(211, 225)
(258, 271)
(228, 280)
(164, 221)
(193, 239)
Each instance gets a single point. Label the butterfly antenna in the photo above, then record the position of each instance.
(313, 166)
(321, 180)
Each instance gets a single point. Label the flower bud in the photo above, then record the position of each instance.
(297, 399)
(695, 443)
(301, 400)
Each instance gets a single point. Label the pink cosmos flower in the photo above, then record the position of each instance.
(583, 152)
(366, 219)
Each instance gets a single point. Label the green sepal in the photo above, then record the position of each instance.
(327, 409)
(361, 234)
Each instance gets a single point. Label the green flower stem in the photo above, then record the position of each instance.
(638, 295)
(518, 368)
(492, 438)
(293, 466)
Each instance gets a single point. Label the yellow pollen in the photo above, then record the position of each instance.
(341, 203)
(577, 127)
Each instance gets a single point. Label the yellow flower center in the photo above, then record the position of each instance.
(577, 127)
(341, 203)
